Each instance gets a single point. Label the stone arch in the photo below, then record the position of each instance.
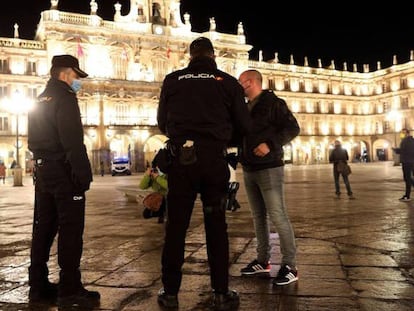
(288, 153)
(5, 152)
(381, 150)
(158, 15)
(152, 145)
(361, 152)
(121, 145)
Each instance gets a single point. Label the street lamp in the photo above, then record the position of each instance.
(395, 116)
(17, 104)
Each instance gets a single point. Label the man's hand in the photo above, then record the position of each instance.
(261, 150)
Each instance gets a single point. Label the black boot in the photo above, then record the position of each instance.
(41, 290)
(43, 293)
(72, 292)
(227, 301)
(82, 298)
(166, 300)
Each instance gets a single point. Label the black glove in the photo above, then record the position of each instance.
(81, 183)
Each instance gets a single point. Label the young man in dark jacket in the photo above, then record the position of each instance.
(263, 171)
(406, 152)
(200, 107)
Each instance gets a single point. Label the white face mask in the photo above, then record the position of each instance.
(76, 85)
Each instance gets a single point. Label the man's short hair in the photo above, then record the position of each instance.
(201, 46)
(55, 71)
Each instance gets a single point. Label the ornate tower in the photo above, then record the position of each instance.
(160, 12)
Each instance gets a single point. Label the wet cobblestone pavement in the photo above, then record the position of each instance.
(352, 254)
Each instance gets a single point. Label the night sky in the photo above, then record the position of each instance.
(346, 31)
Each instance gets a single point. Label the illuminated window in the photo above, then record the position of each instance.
(122, 114)
(272, 84)
(31, 68)
(4, 123)
(4, 66)
(3, 91)
(31, 93)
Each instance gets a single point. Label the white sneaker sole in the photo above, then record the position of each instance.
(258, 271)
(290, 280)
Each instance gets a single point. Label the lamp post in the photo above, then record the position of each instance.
(17, 104)
(395, 116)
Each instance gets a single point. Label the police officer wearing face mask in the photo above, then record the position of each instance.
(63, 174)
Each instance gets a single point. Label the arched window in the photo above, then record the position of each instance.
(122, 114)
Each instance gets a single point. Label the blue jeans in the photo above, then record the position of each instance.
(265, 192)
(346, 182)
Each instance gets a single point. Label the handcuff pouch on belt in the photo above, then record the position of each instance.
(187, 153)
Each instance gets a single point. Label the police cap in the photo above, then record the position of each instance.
(68, 61)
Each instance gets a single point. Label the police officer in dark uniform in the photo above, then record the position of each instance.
(199, 110)
(63, 174)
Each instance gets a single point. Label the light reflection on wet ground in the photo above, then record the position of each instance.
(352, 254)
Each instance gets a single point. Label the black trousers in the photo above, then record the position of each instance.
(407, 169)
(59, 209)
(209, 177)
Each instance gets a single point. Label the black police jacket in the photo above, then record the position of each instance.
(273, 124)
(55, 130)
(202, 103)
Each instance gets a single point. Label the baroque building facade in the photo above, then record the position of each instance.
(127, 59)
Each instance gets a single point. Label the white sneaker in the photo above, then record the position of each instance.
(405, 199)
(286, 275)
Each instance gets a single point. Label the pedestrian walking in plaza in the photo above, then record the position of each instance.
(274, 126)
(200, 107)
(339, 156)
(406, 152)
(63, 175)
(3, 172)
(102, 168)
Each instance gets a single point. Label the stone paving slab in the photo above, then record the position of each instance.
(352, 254)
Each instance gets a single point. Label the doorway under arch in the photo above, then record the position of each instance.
(382, 150)
(152, 145)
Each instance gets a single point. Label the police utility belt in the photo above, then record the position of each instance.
(186, 151)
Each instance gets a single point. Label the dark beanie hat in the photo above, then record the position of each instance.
(68, 61)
